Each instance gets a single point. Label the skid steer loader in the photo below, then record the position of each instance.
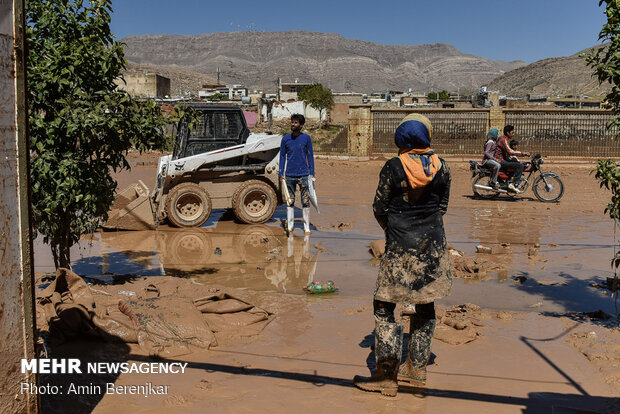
(218, 164)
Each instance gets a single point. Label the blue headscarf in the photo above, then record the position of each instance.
(493, 133)
(414, 131)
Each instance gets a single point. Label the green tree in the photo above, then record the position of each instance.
(217, 97)
(318, 96)
(81, 125)
(605, 61)
(442, 96)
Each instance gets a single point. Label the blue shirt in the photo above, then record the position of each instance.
(297, 154)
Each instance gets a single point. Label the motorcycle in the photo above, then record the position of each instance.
(547, 186)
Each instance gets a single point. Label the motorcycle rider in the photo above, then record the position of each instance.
(489, 160)
(503, 154)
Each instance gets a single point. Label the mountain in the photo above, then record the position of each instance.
(567, 75)
(257, 59)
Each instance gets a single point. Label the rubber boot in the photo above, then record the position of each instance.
(306, 214)
(290, 220)
(388, 349)
(413, 370)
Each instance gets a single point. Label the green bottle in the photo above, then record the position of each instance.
(321, 287)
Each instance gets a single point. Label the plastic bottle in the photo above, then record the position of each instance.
(321, 287)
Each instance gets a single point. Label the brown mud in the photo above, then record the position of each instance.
(516, 351)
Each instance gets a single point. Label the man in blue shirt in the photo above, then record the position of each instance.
(296, 167)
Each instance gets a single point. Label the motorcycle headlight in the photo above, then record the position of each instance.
(542, 161)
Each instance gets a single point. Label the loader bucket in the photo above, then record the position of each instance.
(131, 210)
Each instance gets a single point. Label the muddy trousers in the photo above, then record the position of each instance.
(388, 351)
(422, 329)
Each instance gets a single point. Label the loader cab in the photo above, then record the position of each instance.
(218, 127)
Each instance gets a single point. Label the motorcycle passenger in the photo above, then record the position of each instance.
(489, 160)
(503, 154)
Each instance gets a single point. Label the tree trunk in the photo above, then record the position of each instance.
(61, 250)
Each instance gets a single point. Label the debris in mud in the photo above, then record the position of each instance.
(602, 349)
(218, 251)
(377, 248)
(584, 316)
(319, 247)
(203, 385)
(182, 317)
(533, 254)
(519, 279)
(275, 250)
(551, 283)
(504, 316)
(465, 267)
(552, 245)
(484, 249)
(459, 324)
(356, 310)
(344, 226)
(536, 305)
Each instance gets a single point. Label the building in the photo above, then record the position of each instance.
(339, 113)
(289, 90)
(413, 99)
(231, 92)
(145, 85)
(576, 102)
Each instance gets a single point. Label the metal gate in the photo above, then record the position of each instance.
(565, 132)
(454, 131)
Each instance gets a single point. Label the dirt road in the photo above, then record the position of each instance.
(546, 257)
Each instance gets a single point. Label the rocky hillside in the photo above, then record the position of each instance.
(555, 76)
(257, 59)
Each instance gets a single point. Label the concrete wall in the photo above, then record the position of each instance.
(287, 96)
(145, 85)
(16, 290)
(284, 110)
(353, 98)
(339, 113)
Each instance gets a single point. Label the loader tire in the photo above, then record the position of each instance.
(254, 202)
(188, 205)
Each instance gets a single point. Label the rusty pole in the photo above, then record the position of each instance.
(17, 326)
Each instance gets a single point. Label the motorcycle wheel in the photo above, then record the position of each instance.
(550, 192)
(485, 194)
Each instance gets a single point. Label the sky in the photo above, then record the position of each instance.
(527, 30)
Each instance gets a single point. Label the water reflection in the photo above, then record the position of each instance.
(259, 257)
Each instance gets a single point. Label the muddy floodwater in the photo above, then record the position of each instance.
(573, 243)
(524, 349)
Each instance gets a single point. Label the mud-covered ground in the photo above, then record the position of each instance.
(526, 347)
